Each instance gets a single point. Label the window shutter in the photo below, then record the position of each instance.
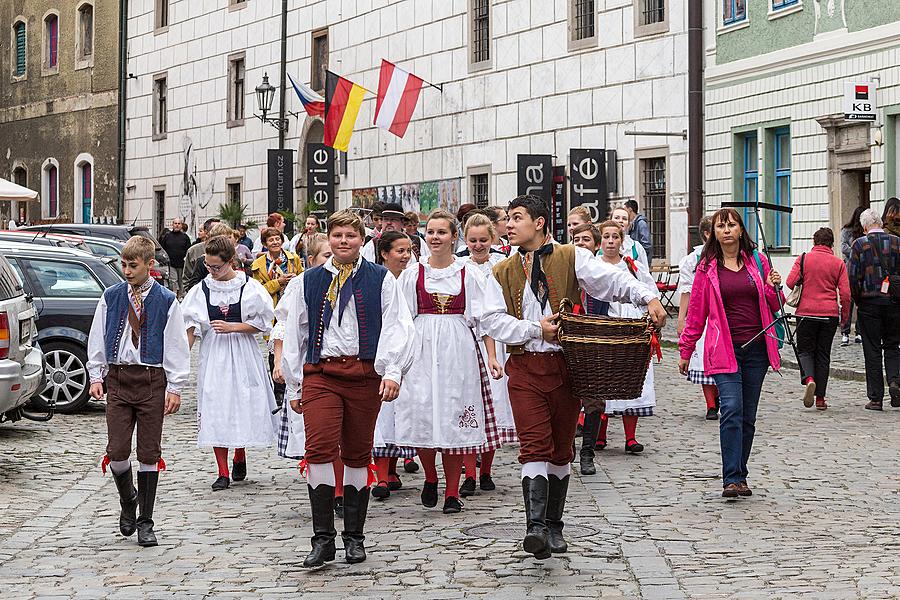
(20, 48)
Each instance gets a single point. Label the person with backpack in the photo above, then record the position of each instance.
(874, 273)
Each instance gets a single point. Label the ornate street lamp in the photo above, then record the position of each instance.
(265, 95)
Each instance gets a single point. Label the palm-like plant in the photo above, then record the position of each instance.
(234, 213)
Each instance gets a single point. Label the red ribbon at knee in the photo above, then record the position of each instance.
(373, 475)
(302, 467)
(160, 464)
(655, 347)
(104, 462)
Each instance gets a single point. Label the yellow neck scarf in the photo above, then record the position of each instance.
(343, 274)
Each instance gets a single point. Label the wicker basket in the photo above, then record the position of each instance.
(607, 357)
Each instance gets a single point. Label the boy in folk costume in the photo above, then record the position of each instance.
(139, 348)
(347, 343)
(534, 281)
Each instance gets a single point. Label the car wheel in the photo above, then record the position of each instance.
(68, 382)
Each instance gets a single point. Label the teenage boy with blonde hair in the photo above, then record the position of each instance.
(138, 348)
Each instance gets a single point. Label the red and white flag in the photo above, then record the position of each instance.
(398, 92)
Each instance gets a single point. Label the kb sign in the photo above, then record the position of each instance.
(587, 180)
(859, 101)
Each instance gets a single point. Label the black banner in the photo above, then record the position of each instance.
(320, 162)
(558, 209)
(535, 176)
(281, 180)
(587, 180)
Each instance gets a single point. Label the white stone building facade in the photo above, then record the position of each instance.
(518, 83)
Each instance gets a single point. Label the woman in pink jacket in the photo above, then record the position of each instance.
(734, 301)
(825, 298)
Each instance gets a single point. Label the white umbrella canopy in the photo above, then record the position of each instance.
(12, 191)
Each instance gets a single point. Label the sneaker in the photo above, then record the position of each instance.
(486, 483)
(857, 339)
(452, 505)
(895, 393)
(874, 406)
(467, 488)
(712, 414)
(821, 404)
(845, 340)
(809, 395)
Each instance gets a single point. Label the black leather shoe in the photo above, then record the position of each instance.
(381, 491)
(556, 503)
(467, 488)
(410, 466)
(453, 505)
(356, 504)
(894, 390)
(238, 471)
(429, 494)
(321, 501)
(221, 483)
(146, 496)
(394, 485)
(712, 414)
(486, 483)
(587, 465)
(128, 501)
(536, 542)
(874, 406)
(633, 447)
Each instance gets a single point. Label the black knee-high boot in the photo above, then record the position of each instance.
(588, 441)
(356, 504)
(127, 500)
(146, 496)
(535, 491)
(321, 500)
(556, 503)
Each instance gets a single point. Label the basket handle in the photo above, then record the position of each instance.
(566, 305)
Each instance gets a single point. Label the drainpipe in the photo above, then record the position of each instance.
(123, 81)
(695, 120)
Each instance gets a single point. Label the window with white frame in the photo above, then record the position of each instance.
(19, 49)
(84, 42)
(733, 11)
(780, 4)
(582, 24)
(84, 188)
(479, 34)
(51, 43)
(50, 188)
(236, 90)
(160, 106)
(651, 16)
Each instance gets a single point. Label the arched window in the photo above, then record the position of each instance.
(51, 42)
(84, 188)
(85, 36)
(50, 188)
(19, 48)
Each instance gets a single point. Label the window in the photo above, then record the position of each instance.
(750, 149)
(733, 11)
(161, 15)
(51, 188)
(779, 223)
(20, 176)
(479, 34)
(235, 4)
(51, 42)
(159, 202)
(85, 41)
(233, 190)
(236, 95)
(779, 4)
(19, 49)
(582, 21)
(84, 188)
(160, 120)
(319, 59)
(63, 279)
(651, 16)
(479, 189)
(653, 196)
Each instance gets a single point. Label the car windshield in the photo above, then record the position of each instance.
(10, 284)
(64, 279)
(103, 250)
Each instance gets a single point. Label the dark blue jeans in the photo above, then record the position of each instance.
(739, 399)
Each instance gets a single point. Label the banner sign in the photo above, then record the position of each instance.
(859, 101)
(320, 162)
(535, 176)
(416, 197)
(281, 180)
(587, 180)
(558, 208)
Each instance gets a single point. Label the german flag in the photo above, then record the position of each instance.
(342, 101)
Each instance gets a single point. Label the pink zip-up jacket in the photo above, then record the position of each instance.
(706, 308)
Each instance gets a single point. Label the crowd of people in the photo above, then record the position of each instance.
(389, 344)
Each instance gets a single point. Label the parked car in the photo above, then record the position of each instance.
(66, 286)
(121, 233)
(45, 239)
(21, 362)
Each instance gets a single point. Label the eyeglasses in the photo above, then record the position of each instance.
(216, 268)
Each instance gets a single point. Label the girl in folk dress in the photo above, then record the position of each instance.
(396, 252)
(611, 236)
(443, 406)
(234, 395)
(629, 246)
(480, 234)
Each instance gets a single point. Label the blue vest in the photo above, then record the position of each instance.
(156, 309)
(366, 296)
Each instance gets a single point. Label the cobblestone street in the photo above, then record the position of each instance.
(824, 521)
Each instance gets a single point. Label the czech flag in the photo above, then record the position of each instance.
(398, 92)
(313, 103)
(342, 101)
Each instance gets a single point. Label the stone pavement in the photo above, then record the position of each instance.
(824, 521)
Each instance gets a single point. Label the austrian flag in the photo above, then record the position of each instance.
(398, 92)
